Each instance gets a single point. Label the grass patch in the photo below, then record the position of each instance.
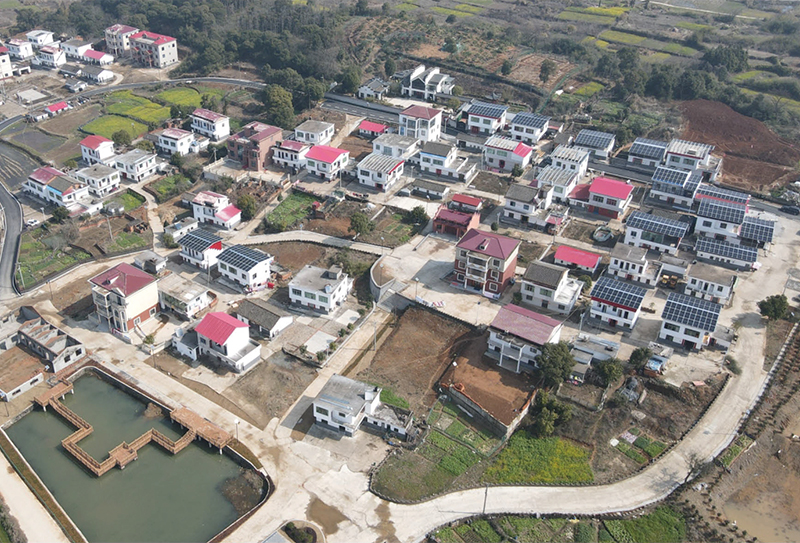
(569, 15)
(448, 11)
(677, 49)
(406, 6)
(388, 396)
(589, 89)
(469, 8)
(609, 12)
(735, 449)
(657, 58)
(483, 532)
(631, 453)
(431, 452)
(180, 96)
(170, 186)
(530, 460)
(655, 448)
(661, 526)
(126, 241)
(694, 27)
(9, 4)
(108, 124)
(447, 535)
(752, 74)
(41, 255)
(130, 200)
(621, 37)
(456, 429)
(128, 104)
(293, 208)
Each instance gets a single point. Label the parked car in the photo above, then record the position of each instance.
(791, 210)
(30, 223)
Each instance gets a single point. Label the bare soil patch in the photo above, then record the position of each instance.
(295, 255)
(68, 123)
(582, 231)
(358, 147)
(430, 50)
(529, 251)
(754, 175)
(489, 182)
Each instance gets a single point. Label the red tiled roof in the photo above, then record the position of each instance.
(45, 175)
(266, 132)
(523, 150)
(369, 126)
(421, 112)
(95, 55)
(218, 326)
(158, 39)
(580, 192)
(3, 49)
(292, 145)
(577, 256)
(207, 197)
(122, 29)
(207, 114)
(525, 324)
(325, 153)
(175, 133)
(54, 108)
(466, 200)
(93, 142)
(123, 278)
(610, 187)
(228, 213)
(457, 217)
(488, 243)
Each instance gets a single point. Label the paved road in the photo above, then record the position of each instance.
(315, 237)
(13, 222)
(360, 111)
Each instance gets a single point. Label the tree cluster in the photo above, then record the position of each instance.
(555, 363)
(774, 307)
(546, 413)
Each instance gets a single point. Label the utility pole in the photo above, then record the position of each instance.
(110, 235)
(485, 497)
(374, 337)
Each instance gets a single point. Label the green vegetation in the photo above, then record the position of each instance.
(126, 241)
(293, 208)
(169, 187)
(448, 11)
(584, 533)
(621, 37)
(631, 453)
(180, 96)
(661, 526)
(611, 12)
(469, 8)
(694, 27)
(130, 200)
(735, 449)
(406, 6)
(751, 74)
(9, 4)
(41, 255)
(108, 124)
(774, 307)
(570, 15)
(526, 460)
(589, 89)
(128, 104)
(388, 396)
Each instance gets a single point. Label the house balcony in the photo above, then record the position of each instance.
(481, 265)
(475, 275)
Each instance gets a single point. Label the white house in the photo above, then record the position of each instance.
(136, 165)
(528, 127)
(212, 208)
(180, 228)
(570, 159)
(102, 179)
(200, 248)
(320, 289)
(523, 203)
(97, 74)
(211, 124)
(647, 152)
(97, 149)
(291, 154)
(630, 263)
(504, 154)
(97, 57)
(607, 197)
(55, 186)
(118, 38)
(226, 339)
(124, 298)
(183, 297)
(153, 50)
(550, 287)
(616, 302)
(379, 171)
(395, 145)
(719, 194)
(314, 132)
(442, 160)
(485, 118)
(175, 140)
(426, 83)
(374, 89)
(710, 282)
(740, 256)
(422, 123)
(50, 56)
(264, 319)
(370, 129)
(20, 49)
(674, 187)
(720, 220)
(600, 144)
(246, 266)
(688, 155)
(76, 48)
(517, 335)
(326, 162)
(39, 38)
(5, 63)
(562, 181)
(689, 321)
(654, 232)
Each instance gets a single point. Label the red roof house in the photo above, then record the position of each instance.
(325, 153)
(94, 142)
(455, 223)
(527, 325)
(368, 128)
(464, 202)
(611, 188)
(220, 327)
(55, 109)
(577, 258)
(421, 112)
(123, 279)
(485, 262)
(607, 197)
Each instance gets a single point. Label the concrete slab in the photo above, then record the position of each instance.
(319, 342)
(348, 316)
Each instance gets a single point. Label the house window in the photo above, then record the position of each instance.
(310, 295)
(493, 287)
(323, 299)
(152, 311)
(692, 333)
(297, 292)
(672, 327)
(322, 410)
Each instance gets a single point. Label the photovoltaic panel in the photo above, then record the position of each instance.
(656, 224)
(725, 195)
(673, 177)
(242, 257)
(691, 311)
(487, 110)
(531, 119)
(618, 292)
(646, 148)
(594, 139)
(722, 211)
(199, 240)
(726, 250)
(757, 229)
(693, 182)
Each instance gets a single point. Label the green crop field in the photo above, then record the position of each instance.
(294, 207)
(589, 89)
(406, 6)
(469, 8)
(528, 460)
(695, 27)
(130, 200)
(657, 58)
(661, 526)
(108, 124)
(180, 96)
(569, 15)
(591, 40)
(752, 74)
(9, 4)
(621, 37)
(170, 186)
(41, 255)
(448, 11)
(126, 241)
(128, 104)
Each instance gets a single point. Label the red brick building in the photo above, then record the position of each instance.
(252, 145)
(485, 262)
(454, 223)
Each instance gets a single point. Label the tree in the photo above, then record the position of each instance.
(314, 89)
(547, 413)
(587, 282)
(418, 216)
(146, 145)
(555, 363)
(247, 203)
(516, 171)
(546, 70)
(453, 103)
(450, 19)
(639, 357)
(149, 339)
(209, 101)
(457, 90)
(733, 57)
(609, 370)
(169, 241)
(362, 7)
(507, 66)
(350, 80)
(278, 101)
(628, 59)
(662, 82)
(361, 224)
(121, 138)
(60, 214)
(450, 45)
(389, 67)
(71, 164)
(775, 307)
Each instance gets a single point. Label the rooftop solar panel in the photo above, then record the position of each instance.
(656, 224)
(693, 182)
(618, 292)
(691, 311)
(722, 211)
(726, 250)
(199, 240)
(673, 177)
(757, 229)
(646, 148)
(531, 119)
(242, 257)
(716, 193)
(594, 139)
(487, 110)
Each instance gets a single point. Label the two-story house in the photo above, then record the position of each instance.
(528, 127)
(211, 124)
(485, 262)
(607, 197)
(20, 49)
(136, 165)
(426, 83)
(97, 149)
(757, 231)
(175, 140)
(562, 181)
(118, 39)
(76, 48)
(710, 282)
(646, 152)
(616, 302)
(50, 56)
(517, 335)
(396, 146)
(550, 287)
(200, 248)
(720, 220)
(453, 222)
(320, 289)
(465, 203)
(253, 145)
(56, 187)
(101, 179)
(124, 297)
(314, 132)
(326, 162)
(651, 231)
(246, 266)
(374, 89)
(523, 204)
(674, 187)
(421, 123)
(630, 263)
(212, 208)
(380, 171)
(39, 38)
(571, 159)
(226, 339)
(599, 144)
(719, 194)
(738, 256)
(291, 154)
(182, 296)
(687, 155)
(577, 259)
(503, 154)
(689, 321)
(153, 50)
(443, 160)
(5, 63)
(485, 118)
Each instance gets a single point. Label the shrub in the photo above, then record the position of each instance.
(296, 534)
(169, 241)
(584, 533)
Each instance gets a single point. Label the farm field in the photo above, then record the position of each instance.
(129, 199)
(108, 124)
(41, 255)
(293, 208)
(528, 460)
(180, 96)
(67, 124)
(169, 187)
(140, 108)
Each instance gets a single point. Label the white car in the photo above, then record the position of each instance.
(30, 223)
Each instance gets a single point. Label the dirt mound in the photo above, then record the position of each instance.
(751, 174)
(736, 134)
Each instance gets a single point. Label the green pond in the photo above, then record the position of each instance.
(159, 497)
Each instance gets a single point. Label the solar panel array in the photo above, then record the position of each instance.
(673, 177)
(242, 258)
(531, 119)
(487, 110)
(693, 182)
(618, 292)
(199, 240)
(646, 148)
(726, 250)
(594, 139)
(722, 211)
(657, 225)
(757, 229)
(732, 196)
(691, 311)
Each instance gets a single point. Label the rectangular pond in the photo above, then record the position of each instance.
(190, 496)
